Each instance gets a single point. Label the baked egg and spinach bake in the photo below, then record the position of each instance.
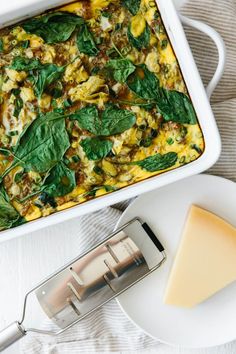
(91, 100)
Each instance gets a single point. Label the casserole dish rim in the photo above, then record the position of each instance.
(200, 102)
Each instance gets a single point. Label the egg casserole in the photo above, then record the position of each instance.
(92, 99)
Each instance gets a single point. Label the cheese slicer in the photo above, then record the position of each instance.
(84, 285)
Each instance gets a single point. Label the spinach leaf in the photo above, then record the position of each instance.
(42, 144)
(85, 41)
(25, 44)
(25, 64)
(112, 53)
(112, 121)
(196, 148)
(144, 83)
(176, 106)
(88, 119)
(5, 152)
(147, 105)
(92, 192)
(132, 5)
(173, 105)
(60, 181)
(1, 45)
(44, 77)
(18, 106)
(9, 216)
(95, 148)
(120, 69)
(18, 102)
(157, 162)
(45, 199)
(141, 41)
(115, 121)
(54, 27)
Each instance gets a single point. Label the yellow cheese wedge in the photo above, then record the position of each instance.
(205, 262)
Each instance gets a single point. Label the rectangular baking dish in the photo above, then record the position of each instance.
(199, 95)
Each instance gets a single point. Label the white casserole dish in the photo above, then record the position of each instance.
(200, 98)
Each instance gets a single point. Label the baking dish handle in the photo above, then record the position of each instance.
(217, 39)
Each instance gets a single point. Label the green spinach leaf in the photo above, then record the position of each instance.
(44, 77)
(141, 41)
(18, 106)
(25, 44)
(5, 152)
(41, 75)
(157, 162)
(115, 121)
(42, 144)
(132, 5)
(112, 121)
(18, 102)
(1, 45)
(144, 83)
(85, 41)
(25, 64)
(173, 105)
(92, 192)
(95, 148)
(176, 106)
(9, 217)
(88, 119)
(54, 27)
(60, 181)
(120, 69)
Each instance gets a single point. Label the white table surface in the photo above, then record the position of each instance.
(27, 260)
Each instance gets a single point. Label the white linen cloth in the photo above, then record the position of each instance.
(108, 330)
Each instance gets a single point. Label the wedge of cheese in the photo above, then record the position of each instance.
(205, 262)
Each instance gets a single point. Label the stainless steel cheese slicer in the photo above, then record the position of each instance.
(85, 284)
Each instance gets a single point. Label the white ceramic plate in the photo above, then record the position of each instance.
(214, 321)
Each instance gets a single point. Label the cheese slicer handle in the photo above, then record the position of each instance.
(10, 335)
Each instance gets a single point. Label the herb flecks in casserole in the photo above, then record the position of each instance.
(91, 100)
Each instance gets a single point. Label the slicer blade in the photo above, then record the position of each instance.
(99, 275)
(92, 280)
